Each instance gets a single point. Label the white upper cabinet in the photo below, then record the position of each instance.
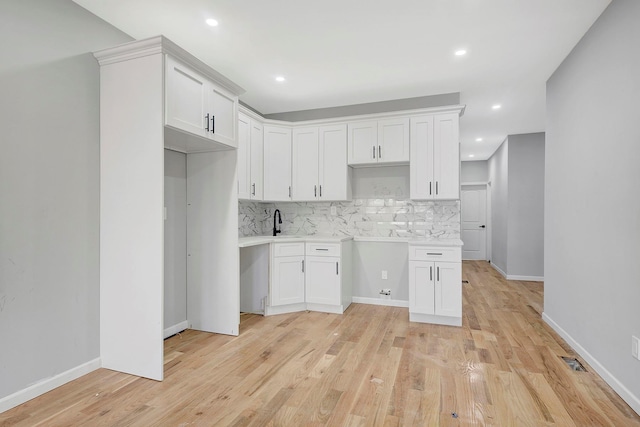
(305, 164)
(277, 163)
(198, 106)
(250, 158)
(334, 174)
(320, 170)
(378, 142)
(363, 143)
(393, 140)
(435, 157)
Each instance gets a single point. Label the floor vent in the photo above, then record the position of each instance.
(465, 281)
(574, 364)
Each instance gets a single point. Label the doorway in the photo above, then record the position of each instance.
(473, 206)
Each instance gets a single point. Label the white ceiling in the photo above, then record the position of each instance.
(344, 52)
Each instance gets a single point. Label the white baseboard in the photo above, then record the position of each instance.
(172, 330)
(47, 385)
(380, 301)
(626, 395)
(526, 278)
(495, 267)
(438, 320)
(516, 277)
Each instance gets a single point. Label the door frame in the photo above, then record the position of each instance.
(487, 240)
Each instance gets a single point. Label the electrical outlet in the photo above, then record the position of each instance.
(635, 347)
(334, 210)
(384, 275)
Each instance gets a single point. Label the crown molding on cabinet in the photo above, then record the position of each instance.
(161, 44)
(362, 117)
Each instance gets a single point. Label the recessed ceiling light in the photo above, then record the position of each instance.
(472, 155)
(280, 79)
(497, 107)
(461, 52)
(212, 22)
(478, 139)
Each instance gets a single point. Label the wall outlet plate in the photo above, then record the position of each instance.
(384, 275)
(635, 347)
(334, 210)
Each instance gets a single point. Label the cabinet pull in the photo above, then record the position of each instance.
(429, 187)
(213, 123)
(253, 191)
(430, 273)
(321, 190)
(379, 152)
(336, 267)
(434, 253)
(374, 151)
(322, 249)
(303, 266)
(438, 272)
(315, 191)
(289, 191)
(207, 119)
(436, 188)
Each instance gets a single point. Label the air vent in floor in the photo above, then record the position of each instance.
(573, 363)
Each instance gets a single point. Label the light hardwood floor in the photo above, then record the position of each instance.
(369, 366)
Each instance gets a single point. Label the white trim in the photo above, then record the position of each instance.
(434, 319)
(462, 184)
(626, 394)
(325, 308)
(525, 278)
(378, 301)
(502, 273)
(47, 385)
(172, 330)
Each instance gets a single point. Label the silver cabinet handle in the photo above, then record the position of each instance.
(322, 249)
(374, 151)
(207, 119)
(436, 188)
(429, 187)
(430, 273)
(438, 271)
(253, 191)
(336, 267)
(434, 253)
(379, 152)
(315, 191)
(289, 191)
(303, 266)
(321, 190)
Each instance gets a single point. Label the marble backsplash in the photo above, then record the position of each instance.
(374, 217)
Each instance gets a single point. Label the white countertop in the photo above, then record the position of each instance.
(244, 242)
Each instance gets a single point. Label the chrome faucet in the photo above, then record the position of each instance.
(275, 230)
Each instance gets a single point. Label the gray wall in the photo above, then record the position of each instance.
(369, 259)
(476, 171)
(525, 232)
(370, 108)
(516, 173)
(49, 183)
(175, 238)
(592, 196)
(498, 175)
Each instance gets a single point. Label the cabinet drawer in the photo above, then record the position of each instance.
(288, 249)
(430, 253)
(323, 249)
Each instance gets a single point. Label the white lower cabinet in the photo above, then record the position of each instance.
(435, 285)
(310, 276)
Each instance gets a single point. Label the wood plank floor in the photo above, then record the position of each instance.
(368, 367)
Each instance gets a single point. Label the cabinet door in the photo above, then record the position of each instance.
(257, 160)
(333, 169)
(244, 157)
(322, 280)
(446, 156)
(304, 179)
(421, 287)
(421, 185)
(448, 289)
(277, 163)
(363, 143)
(393, 141)
(222, 113)
(287, 281)
(186, 99)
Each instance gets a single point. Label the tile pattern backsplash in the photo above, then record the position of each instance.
(375, 217)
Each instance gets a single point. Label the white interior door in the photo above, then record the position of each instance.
(473, 203)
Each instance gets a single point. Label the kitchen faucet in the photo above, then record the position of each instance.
(275, 230)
